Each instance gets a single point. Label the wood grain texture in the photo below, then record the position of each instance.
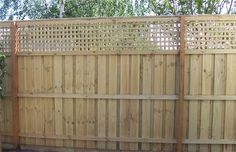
(124, 104)
(229, 116)
(207, 80)
(195, 88)
(181, 84)
(80, 103)
(101, 104)
(91, 103)
(112, 104)
(218, 106)
(58, 84)
(120, 83)
(15, 83)
(146, 105)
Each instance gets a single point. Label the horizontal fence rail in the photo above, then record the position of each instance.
(143, 83)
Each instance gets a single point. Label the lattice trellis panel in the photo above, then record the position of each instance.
(99, 35)
(210, 34)
(5, 37)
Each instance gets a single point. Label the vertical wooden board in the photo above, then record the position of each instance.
(68, 103)
(25, 99)
(3, 104)
(101, 102)
(80, 103)
(8, 76)
(158, 105)
(8, 102)
(170, 105)
(2, 120)
(29, 101)
(11, 122)
(124, 104)
(134, 104)
(21, 87)
(5, 111)
(91, 115)
(48, 102)
(8, 118)
(58, 82)
(207, 79)
(186, 92)
(229, 132)
(32, 106)
(180, 73)
(146, 104)
(218, 106)
(38, 82)
(112, 104)
(195, 89)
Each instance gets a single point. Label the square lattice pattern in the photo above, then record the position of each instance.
(210, 34)
(5, 37)
(102, 35)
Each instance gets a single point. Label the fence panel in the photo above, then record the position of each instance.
(99, 96)
(6, 122)
(114, 83)
(210, 49)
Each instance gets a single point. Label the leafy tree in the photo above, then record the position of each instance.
(78, 8)
(98, 8)
(190, 7)
(22, 9)
(36, 9)
(2, 70)
(141, 7)
(2, 73)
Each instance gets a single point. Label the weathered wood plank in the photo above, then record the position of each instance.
(229, 117)
(218, 110)
(124, 104)
(15, 83)
(90, 88)
(80, 81)
(68, 103)
(159, 81)
(112, 104)
(58, 82)
(38, 83)
(134, 105)
(170, 87)
(146, 104)
(195, 88)
(207, 80)
(48, 103)
(102, 79)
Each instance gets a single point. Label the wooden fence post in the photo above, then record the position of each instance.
(181, 86)
(15, 101)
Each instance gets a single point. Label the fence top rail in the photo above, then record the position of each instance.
(161, 17)
(211, 18)
(98, 20)
(123, 19)
(5, 24)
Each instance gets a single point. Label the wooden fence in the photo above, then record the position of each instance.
(151, 83)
